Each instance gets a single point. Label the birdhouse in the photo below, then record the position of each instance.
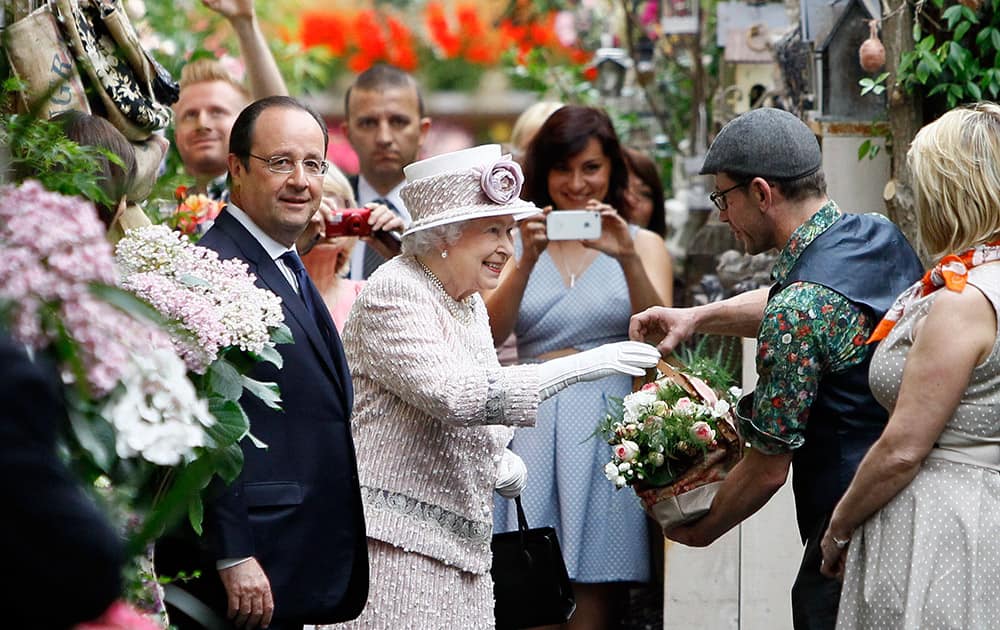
(837, 30)
(748, 74)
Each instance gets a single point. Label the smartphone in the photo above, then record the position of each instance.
(573, 225)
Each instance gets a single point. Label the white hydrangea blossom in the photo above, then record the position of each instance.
(157, 413)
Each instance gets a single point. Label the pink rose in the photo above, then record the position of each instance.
(683, 403)
(502, 180)
(650, 387)
(626, 451)
(703, 432)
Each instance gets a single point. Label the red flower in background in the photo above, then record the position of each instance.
(324, 28)
(441, 35)
(404, 55)
(368, 36)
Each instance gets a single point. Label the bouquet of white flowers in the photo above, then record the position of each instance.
(673, 440)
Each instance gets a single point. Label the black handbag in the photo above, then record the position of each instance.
(530, 582)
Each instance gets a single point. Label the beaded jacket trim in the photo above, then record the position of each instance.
(475, 532)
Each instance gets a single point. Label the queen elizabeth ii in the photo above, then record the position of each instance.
(434, 410)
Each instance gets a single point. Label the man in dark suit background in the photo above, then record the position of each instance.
(62, 559)
(287, 538)
(385, 122)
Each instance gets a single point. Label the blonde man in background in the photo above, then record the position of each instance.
(211, 98)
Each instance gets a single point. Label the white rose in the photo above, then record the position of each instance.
(636, 403)
(611, 471)
(720, 408)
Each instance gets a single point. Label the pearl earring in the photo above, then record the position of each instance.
(444, 254)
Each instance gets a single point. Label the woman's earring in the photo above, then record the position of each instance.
(444, 254)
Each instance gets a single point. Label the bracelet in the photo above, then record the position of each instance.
(840, 543)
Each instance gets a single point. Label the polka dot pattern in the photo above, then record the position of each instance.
(931, 557)
(602, 531)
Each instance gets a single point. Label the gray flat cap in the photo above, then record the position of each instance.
(765, 142)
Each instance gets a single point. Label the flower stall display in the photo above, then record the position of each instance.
(673, 441)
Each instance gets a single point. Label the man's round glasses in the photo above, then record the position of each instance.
(719, 196)
(284, 165)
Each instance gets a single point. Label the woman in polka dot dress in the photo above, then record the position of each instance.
(917, 535)
(565, 297)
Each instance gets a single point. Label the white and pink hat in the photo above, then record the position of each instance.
(464, 185)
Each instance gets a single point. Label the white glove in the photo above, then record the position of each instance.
(624, 357)
(512, 475)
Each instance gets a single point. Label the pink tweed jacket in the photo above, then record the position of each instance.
(433, 412)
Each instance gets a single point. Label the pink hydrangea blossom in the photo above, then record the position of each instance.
(211, 304)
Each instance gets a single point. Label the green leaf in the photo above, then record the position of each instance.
(271, 355)
(96, 436)
(917, 32)
(256, 441)
(969, 14)
(952, 15)
(231, 423)
(995, 38)
(962, 29)
(282, 334)
(196, 513)
(225, 380)
(127, 302)
(192, 280)
(974, 91)
(229, 462)
(269, 393)
(940, 87)
(183, 489)
(864, 148)
(923, 71)
(982, 37)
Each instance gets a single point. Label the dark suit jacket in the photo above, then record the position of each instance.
(62, 560)
(296, 506)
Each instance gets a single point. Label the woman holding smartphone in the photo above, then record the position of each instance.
(567, 296)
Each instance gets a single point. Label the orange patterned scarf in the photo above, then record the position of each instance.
(952, 272)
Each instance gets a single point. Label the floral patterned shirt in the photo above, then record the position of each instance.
(808, 330)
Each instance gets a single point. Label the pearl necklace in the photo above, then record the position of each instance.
(461, 310)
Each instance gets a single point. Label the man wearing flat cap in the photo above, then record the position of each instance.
(835, 277)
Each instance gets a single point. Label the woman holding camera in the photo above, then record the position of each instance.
(563, 297)
(433, 408)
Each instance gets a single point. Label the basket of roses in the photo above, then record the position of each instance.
(674, 441)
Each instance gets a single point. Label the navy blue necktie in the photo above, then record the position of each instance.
(306, 290)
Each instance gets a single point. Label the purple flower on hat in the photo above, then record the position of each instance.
(502, 180)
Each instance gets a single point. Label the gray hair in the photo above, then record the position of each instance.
(432, 240)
